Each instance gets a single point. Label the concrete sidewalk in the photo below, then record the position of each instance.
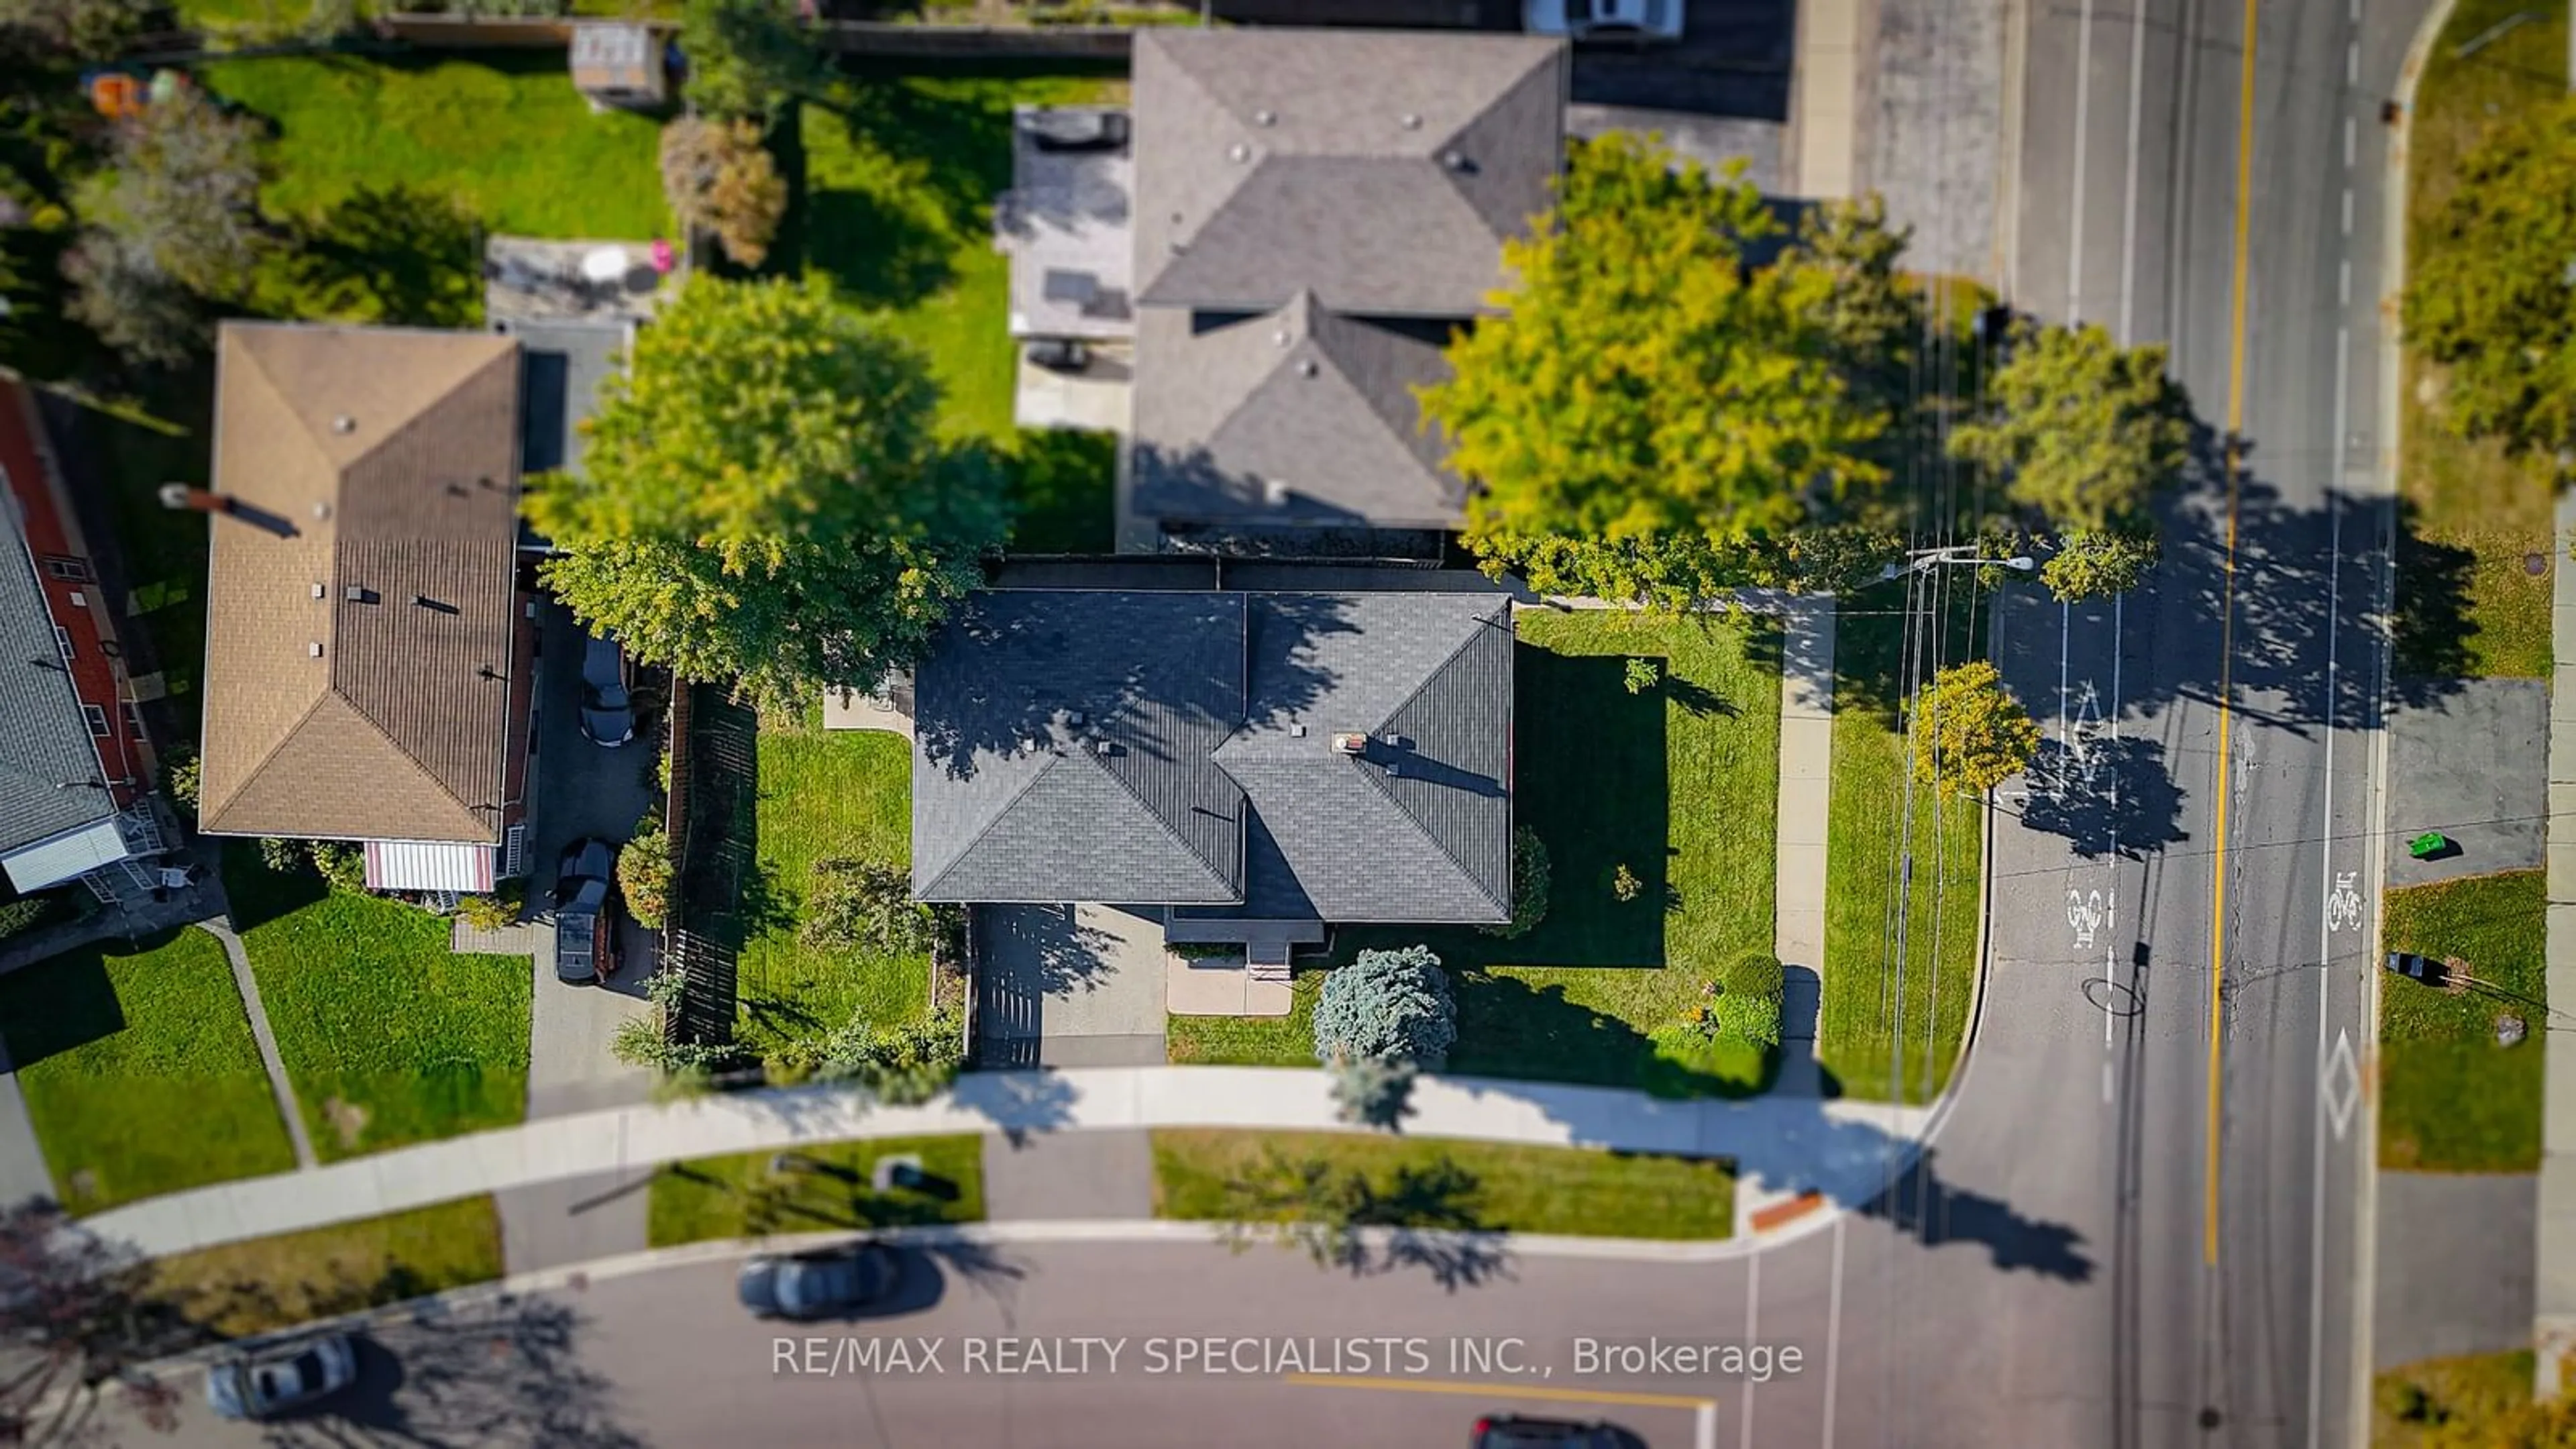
(23, 1173)
(2554, 1305)
(1843, 1152)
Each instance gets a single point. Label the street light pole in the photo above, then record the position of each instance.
(1923, 560)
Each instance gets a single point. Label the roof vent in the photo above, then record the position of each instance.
(313, 649)
(1455, 160)
(1297, 731)
(1412, 122)
(1350, 742)
(344, 424)
(358, 594)
(1280, 338)
(1106, 749)
(1265, 118)
(1073, 719)
(319, 590)
(1393, 739)
(1239, 152)
(321, 509)
(1275, 490)
(1305, 367)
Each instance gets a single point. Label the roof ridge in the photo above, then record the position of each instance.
(1236, 887)
(1472, 636)
(1424, 832)
(260, 766)
(959, 855)
(351, 705)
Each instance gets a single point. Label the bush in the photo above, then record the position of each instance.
(1387, 1006)
(902, 1065)
(1640, 675)
(342, 864)
(865, 905)
(1529, 885)
(498, 911)
(644, 874)
(719, 178)
(747, 57)
(1625, 885)
(21, 914)
(181, 773)
(284, 857)
(1748, 1001)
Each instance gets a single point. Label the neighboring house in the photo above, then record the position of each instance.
(369, 622)
(1316, 213)
(75, 767)
(1257, 765)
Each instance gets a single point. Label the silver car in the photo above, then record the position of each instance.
(607, 712)
(288, 1376)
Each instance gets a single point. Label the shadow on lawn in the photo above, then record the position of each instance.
(949, 157)
(1063, 487)
(815, 1201)
(258, 895)
(1508, 1027)
(62, 1004)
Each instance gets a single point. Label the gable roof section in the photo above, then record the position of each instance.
(1300, 416)
(50, 781)
(1380, 170)
(385, 461)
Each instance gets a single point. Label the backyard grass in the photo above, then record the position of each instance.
(1862, 1012)
(388, 1037)
(2467, 604)
(139, 1070)
(2432, 1403)
(265, 1284)
(1678, 784)
(740, 1196)
(842, 793)
(2450, 1099)
(1509, 1186)
(501, 133)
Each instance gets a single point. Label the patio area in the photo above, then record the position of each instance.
(534, 279)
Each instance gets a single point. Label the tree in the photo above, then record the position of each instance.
(644, 873)
(2097, 563)
(1749, 999)
(85, 30)
(2493, 296)
(1646, 392)
(1529, 882)
(903, 1065)
(2084, 431)
(1872, 315)
(1386, 1006)
(763, 498)
(1970, 735)
(184, 192)
(393, 255)
(747, 57)
(865, 905)
(719, 178)
(121, 294)
(79, 1317)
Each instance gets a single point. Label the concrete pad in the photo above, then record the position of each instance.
(574, 1220)
(2455, 1264)
(23, 1173)
(847, 709)
(2562, 743)
(2472, 764)
(1097, 398)
(1210, 986)
(2555, 1289)
(1052, 1176)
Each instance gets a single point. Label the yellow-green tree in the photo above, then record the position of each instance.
(764, 500)
(718, 176)
(2493, 297)
(1970, 734)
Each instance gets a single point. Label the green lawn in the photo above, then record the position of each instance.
(389, 1037)
(139, 1070)
(2466, 603)
(2450, 1099)
(900, 175)
(1513, 1187)
(265, 1284)
(502, 133)
(739, 1196)
(822, 795)
(1249, 1041)
(1676, 783)
(1855, 1038)
(2444, 1403)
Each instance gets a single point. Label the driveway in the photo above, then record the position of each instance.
(1068, 986)
(2471, 761)
(582, 790)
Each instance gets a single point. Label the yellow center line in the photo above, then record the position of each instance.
(2227, 613)
(1524, 1390)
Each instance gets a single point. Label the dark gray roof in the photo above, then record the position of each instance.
(1299, 416)
(44, 740)
(1380, 170)
(1223, 786)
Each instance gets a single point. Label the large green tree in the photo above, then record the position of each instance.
(747, 57)
(1651, 407)
(1970, 734)
(763, 498)
(2084, 432)
(184, 193)
(2493, 296)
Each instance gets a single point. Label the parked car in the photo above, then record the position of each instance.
(1057, 354)
(1604, 19)
(817, 1284)
(585, 913)
(1511, 1431)
(607, 711)
(1078, 130)
(290, 1376)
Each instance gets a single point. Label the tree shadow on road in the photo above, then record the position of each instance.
(505, 1372)
(2108, 796)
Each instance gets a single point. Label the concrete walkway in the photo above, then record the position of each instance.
(278, 1085)
(2554, 1305)
(1069, 1175)
(1840, 1152)
(1806, 796)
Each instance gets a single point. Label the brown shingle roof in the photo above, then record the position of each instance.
(392, 456)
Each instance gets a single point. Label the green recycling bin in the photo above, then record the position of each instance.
(2427, 845)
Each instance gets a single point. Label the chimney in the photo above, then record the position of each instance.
(179, 497)
(1350, 742)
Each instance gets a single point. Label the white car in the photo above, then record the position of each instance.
(1604, 19)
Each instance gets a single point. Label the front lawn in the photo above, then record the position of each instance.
(265, 1284)
(139, 1070)
(1505, 1187)
(825, 1186)
(1678, 784)
(2450, 1099)
(389, 1037)
(1249, 1041)
(2446, 1402)
(1865, 841)
(2471, 516)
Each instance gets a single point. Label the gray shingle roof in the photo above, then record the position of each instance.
(1300, 416)
(1380, 170)
(1224, 786)
(44, 741)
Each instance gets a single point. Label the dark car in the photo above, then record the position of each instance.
(585, 913)
(1078, 130)
(818, 1284)
(607, 712)
(287, 1377)
(1511, 1431)
(1057, 354)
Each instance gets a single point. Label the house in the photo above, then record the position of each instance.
(75, 765)
(1316, 213)
(1251, 766)
(369, 617)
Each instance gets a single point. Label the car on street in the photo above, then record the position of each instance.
(1604, 19)
(1077, 130)
(585, 914)
(1511, 1431)
(290, 1376)
(817, 1284)
(607, 710)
